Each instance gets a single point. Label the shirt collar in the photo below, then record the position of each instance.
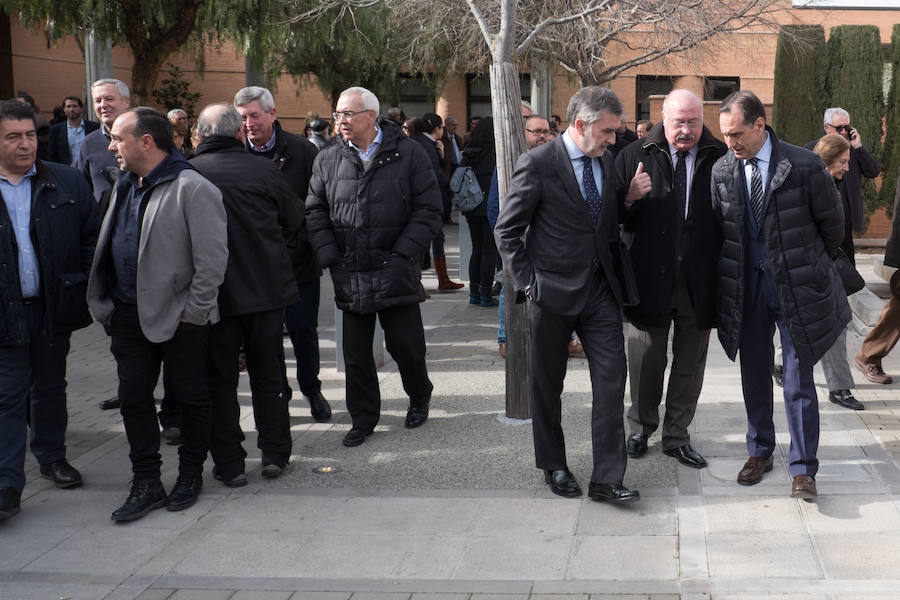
(674, 151)
(375, 142)
(764, 154)
(80, 125)
(572, 148)
(31, 172)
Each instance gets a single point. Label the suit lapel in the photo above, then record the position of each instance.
(567, 175)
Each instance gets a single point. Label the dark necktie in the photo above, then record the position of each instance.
(757, 198)
(591, 194)
(681, 181)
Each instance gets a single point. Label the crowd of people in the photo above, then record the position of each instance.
(195, 248)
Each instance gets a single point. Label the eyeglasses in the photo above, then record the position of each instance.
(347, 114)
(692, 124)
(840, 127)
(539, 132)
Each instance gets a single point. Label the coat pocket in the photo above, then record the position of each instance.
(71, 301)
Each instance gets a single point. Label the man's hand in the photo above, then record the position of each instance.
(440, 147)
(640, 185)
(855, 140)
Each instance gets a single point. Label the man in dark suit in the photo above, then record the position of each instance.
(782, 221)
(556, 234)
(67, 137)
(663, 182)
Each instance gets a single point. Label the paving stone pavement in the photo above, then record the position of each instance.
(456, 511)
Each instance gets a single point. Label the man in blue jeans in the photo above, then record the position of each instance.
(48, 228)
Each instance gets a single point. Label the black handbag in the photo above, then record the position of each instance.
(852, 280)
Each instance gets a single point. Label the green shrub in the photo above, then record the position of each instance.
(891, 155)
(800, 68)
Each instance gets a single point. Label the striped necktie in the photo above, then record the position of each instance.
(757, 197)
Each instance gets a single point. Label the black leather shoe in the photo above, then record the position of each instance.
(319, 407)
(355, 437)
(687, 456)
(562, 483)
(636, 445)
(186, 491)
(271, 468)
(239, 480)
(845, 398)
(110, 404)
(10, 502)
(146, 495)
(62, 474)
(416, 416)
(778, 375)
(612, 492)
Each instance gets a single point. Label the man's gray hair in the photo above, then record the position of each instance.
(218, 119)
(369, 100)
(120, 86)
(254, 92)
(172, 114)
(526, 104)
(589, 103)
(831, 112)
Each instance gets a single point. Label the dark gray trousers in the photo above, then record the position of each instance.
(647, 359)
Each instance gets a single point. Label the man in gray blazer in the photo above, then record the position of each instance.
(558, 237)
(154, 283)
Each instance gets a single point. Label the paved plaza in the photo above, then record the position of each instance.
(455, 510)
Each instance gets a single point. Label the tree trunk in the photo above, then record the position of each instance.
(541, 86)
(510, 143)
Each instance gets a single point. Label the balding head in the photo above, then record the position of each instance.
(219, 119)
(682, 118)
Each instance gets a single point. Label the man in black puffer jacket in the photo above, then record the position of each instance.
(782, 222)
(373, 208)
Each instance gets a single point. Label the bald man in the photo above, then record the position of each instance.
(663, 183)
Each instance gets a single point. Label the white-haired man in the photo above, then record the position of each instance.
(373, 208)
(111, 98)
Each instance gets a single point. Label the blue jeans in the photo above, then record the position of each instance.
(32, 393)
(501, 316)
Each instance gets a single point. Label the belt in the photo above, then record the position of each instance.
(32, 300)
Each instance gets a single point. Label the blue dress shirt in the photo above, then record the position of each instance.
(763, 158)
(17, 197)
(372, 149)
(76, 139)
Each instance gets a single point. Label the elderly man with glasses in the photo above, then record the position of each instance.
(663, 181)
(372, 210)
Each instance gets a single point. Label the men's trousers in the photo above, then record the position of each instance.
(302, 321)
(599, 327)
(883, 337)
(261, 334)
(32, 393)
(647, 358)
(139, 362)
(800, 400)
(404, 338)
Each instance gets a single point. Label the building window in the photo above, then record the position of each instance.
(416, 96)
(646, 86)
(719, 88)
(478, 94)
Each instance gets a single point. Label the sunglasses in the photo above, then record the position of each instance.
(846, 128)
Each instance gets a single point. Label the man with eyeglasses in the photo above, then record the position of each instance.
(294, 156)
(663, 182)
(372, 210)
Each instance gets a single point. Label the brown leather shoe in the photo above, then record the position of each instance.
(502, 349)
(804, 487)
(752, 471)
(575, 348)
(873, 373)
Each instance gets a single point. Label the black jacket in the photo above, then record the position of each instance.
(58, 150)
(862, 164)
(430, 148)
(261, 211)
(803, 228)
(483, 162)
(657, 223)
(294, 157)
(371, 226)
(892, 252)
(64, 225)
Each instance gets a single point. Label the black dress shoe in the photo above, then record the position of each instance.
(272, 468)
(355, 437)
(416, 416)
(845, 398)
(319, 407)
(239, 480)
(636, 445)
(186, 491)
(612, 492)
(687, 456)
(562, 483)
(62, 474)
(10, 502)
(110, 404)
(778, 375)
(146, 495)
